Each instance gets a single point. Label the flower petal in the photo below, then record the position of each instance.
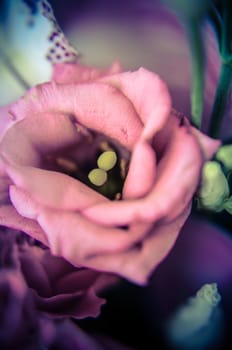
(171, 193)
(85, 238)
(138, 86)
(77, 304)
(137, 263)
(97, 106)
(67, 73)
(5, 120)
(38, 136)
(208, 145)
(53, 189)
(10, 218)
(141, 174)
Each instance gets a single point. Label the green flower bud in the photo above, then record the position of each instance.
(198, 323)
(209, 293)
(224, 155)
(214, 187)
(227, 205)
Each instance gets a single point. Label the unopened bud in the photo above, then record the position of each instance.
(224, 155)
(214, 187)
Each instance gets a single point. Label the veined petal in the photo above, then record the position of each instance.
(142, 170)
(97, 106)
(87, 237)
(67, 73)
(137, 263)
(53, 189)
(5, 120)
(149, 95)
(9, 217)
(37, 136)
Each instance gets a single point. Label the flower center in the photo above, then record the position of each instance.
(108, 177)
(99, 163)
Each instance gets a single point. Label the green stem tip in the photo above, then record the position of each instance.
(198, 64)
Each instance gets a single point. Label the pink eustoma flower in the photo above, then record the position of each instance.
(160, 157)
(58, 288)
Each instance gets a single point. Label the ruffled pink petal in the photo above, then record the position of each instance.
(208, 145)
(4, 186)
(137, 263)
(53, 189)
(9, 217)
(5, 120)
(149, 95)
(141, 174)
(177, 178)
(60, 289)
(67, 73)
(178, 175)
(33, 271)
(107, 249)
(34, 137)
(85, 238)
(97, 106)
(78, 305)
(18, 148)
(78, 279)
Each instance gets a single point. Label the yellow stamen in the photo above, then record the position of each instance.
(107, 160)
(97, 177)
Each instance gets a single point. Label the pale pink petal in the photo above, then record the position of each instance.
(208, 145)
(36, 136)
(4, 187)
(76, 239)
(77, 305)
(141, 174)
(59, 289)
(162, 138)
(18, 148)
(23, 203)
(137, 263)
(10, 218)
(53, 189)
(149, 95)
(5, 120)
(67, 73)
(85, 238)
(97, 106)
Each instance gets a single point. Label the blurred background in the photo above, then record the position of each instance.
(136, 33)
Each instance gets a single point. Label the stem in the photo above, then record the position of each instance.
(227, 28)
(216, 21)
(220, 99)
(197, 51)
